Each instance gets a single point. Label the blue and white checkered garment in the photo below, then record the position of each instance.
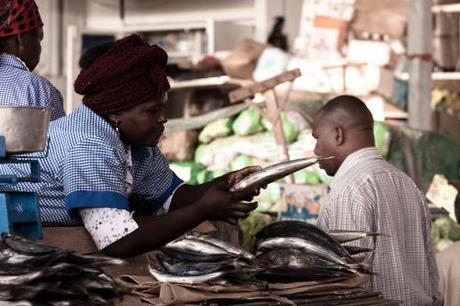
(85, 167)
(21, 87)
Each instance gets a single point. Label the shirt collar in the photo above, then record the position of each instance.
(352, 160)
(12, 60)
(139, 153)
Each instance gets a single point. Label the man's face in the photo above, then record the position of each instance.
(31, 48)
(326, 145)
(144, 124)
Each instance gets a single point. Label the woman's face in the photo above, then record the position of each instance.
(30, 47)
(143, 124)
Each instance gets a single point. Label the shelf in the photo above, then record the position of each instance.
(454, 76)
(446, 8)
(438, 76)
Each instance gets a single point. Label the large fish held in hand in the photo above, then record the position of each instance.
(274, 172)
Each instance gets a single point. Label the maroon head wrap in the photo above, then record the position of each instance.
(128, 74)
(18, 16)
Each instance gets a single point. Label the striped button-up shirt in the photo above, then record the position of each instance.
(369, 194)
(21, 87)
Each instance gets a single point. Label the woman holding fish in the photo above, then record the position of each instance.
(103, 168)
(370, 195)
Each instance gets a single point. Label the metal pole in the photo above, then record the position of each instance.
(420, 46)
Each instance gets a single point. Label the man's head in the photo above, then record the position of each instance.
(21, 30)
(341, 127)
(126, 83)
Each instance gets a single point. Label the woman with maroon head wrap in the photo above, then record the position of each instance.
(104, 167)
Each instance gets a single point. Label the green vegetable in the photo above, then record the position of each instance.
(250, 226)
(218, 128)
(307, 176)
(219, 172)
(382, 136)
(435, 234)
(443, 244)
(241, 161)
(187, 171)
(204, 176)
(448, 228)
(203, 155)
(290, 130)
(248, 122)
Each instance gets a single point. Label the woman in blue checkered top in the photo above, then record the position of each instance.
(104, 155)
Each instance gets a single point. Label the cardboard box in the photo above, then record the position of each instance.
(388, 17)
(241, 62)
(178, 146)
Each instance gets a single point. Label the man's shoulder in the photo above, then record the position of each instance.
(371, 177)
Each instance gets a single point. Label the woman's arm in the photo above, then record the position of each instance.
(211, 202)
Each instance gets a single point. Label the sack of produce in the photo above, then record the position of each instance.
(292, 123)
(178, 146)
(382, 138)
(219, 128)
(307, 176)
(187, 171)
(241, 161)
(250, 226)
(248, 122)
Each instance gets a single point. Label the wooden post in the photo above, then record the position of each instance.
(274, 106)
(420, 48)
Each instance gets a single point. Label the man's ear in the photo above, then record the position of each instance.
(339, 136)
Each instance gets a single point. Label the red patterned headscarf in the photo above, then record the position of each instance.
(18, 16)
(128, 74)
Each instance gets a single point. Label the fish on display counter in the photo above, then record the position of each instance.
(287, 251)
(304, 232)
(32, 273)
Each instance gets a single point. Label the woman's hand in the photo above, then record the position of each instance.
(236, 176)
(233, 177)
(218, 203)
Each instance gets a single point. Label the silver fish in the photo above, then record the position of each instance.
(20, 279)
(12, 257)
(223, 245)
(181, 268)
(301, 244)
(196, 245)
(274, 172)
(292, 258)
(15, 303)
(342, 236)
(354, 250)
(168, 278)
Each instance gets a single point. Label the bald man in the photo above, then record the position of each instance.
(369, 194)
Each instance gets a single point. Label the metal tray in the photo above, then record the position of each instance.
(24, 128)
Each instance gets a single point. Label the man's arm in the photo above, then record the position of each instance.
(349, 210)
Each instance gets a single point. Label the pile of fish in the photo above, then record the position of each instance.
(199, 258)
(37, 274)
(287, 251)
(297, 251)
